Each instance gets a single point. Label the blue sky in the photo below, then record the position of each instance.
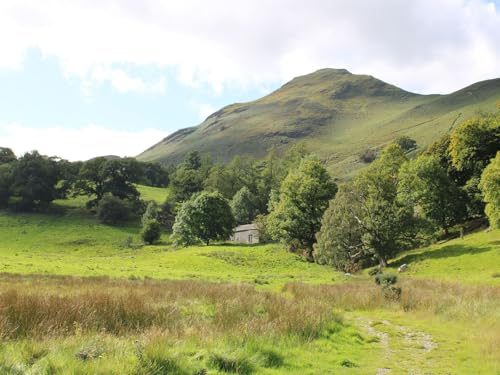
(85, 78)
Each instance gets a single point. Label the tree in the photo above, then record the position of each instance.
(5, 184)
(387, 224)
(150, 214)
(440, 151)
(155, 175)
(243, 206)
(6, 155)
(367, 219)
(90, 180)
(34, 180)
(167, 212)
(303, 198)
(406, 143)
(340, 241)
(184, 183)
(425, 183)
(474, 143)
(490, 187)
(113, 210)
(205, 217)
(151, 231)
(117, 177)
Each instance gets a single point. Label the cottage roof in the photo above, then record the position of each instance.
(245, 227)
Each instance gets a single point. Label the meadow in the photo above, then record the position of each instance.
(79, 297)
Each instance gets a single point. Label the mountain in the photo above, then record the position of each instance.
(338, 114)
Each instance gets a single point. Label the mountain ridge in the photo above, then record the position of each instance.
(337, 113)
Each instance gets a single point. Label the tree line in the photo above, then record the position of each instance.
(33, 181)
(396, 203)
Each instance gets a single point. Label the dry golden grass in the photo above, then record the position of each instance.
(65, 306)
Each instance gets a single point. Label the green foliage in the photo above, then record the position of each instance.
(303, 198)
(386, 282)
(35, 181)
(5, 185)
(151, 231)
(340, 237)
(101, 176)
(368, 219)
(151, 213)
(113, 210)
(425, 183)
(167, 212)
(490, 187)
(243, 206)
(385, 279)
(406, 143)
(387, 223)
(155, 175)
(474, 143)
(6, 155)
(368, 156)
(261, 222)
(189, 176)
(205, 217)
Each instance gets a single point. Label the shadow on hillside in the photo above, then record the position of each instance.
(445, 252)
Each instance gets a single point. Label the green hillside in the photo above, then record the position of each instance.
(337, 113)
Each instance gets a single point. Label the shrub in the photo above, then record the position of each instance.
(151, 213)
(368, 156)
(385, 279)
(112, 210)
(151, 232)
(406, 143)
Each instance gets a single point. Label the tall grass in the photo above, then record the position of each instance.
(180, 308)
(226, 327)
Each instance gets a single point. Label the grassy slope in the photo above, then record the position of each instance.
(73, 243)
(339, 114)
(473, 259)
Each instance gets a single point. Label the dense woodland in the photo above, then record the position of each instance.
(397, 202)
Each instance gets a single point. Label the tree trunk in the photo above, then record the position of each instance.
(382, 261)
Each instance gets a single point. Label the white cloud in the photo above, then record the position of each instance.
(123, 82)
(205, 110)
(424, 45)
(80, 143)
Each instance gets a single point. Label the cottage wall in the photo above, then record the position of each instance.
(246, 236)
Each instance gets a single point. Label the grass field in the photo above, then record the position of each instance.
(78, 297)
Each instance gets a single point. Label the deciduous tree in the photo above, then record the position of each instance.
(303, 198)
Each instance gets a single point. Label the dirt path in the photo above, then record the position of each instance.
(403, 348)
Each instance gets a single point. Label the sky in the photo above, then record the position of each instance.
(83, 78)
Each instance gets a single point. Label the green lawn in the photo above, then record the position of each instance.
(76, 244)
(438, 328)
(473, 259)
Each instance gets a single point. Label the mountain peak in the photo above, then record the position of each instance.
(338, 113)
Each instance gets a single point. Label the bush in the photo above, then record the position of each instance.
(406, 143)
(112, 210)
(151, 232)
(368, 156)
(385, 279)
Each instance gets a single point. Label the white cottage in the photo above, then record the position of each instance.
(247, 233)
